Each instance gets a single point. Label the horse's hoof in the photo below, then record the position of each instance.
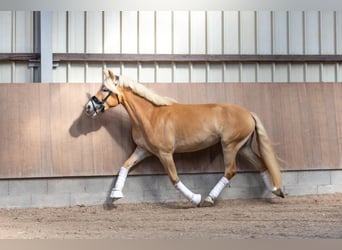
(196, 199)
(109, 206)
(208, 202)
(279, 192)
(116, 194)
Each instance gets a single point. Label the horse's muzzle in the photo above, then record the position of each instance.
(94, 106)
(89, 110)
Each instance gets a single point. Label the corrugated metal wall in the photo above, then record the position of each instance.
(16, 36)
(182, 32)
(200, 32)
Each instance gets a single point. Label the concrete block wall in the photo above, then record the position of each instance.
(65, 192)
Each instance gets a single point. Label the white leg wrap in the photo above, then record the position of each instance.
(266, 177)
(215, 192)
(194, 198)
(120, 182)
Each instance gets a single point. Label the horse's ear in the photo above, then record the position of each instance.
(111, 74)
(105, 72)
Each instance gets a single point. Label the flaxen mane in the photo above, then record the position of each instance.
(144, 92)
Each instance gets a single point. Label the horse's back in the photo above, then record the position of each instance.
(215, 112)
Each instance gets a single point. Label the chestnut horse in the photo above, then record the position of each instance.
(162, 127)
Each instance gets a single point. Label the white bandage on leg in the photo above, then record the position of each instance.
(193, 198)
(267, 180)
(120, 182)
(215, 192)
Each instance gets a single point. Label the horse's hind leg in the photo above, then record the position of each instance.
(256, 161)
(230, 150)
(229, 155)
(167, 161)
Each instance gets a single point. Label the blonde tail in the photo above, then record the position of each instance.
(268, 155)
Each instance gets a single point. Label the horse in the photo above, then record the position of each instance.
(161, 127)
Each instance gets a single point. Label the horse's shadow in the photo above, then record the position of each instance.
(116, 122)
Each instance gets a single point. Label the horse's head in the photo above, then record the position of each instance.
(107, 97)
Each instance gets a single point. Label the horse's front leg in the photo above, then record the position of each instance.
(138, 155)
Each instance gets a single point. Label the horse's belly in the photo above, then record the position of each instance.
(195, 145)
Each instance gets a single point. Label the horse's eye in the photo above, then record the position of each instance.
(117, 78)
(104, 89)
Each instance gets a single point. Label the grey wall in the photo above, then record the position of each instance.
(64, 192)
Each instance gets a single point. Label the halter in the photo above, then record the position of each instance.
(98, 105)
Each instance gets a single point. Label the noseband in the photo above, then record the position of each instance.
(98, 105)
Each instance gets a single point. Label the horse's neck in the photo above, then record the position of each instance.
(138, 108)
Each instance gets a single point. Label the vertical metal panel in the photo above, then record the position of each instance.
(5, 31)
(112, 32)
(45, 47)
(164, 32)
(280, 32)
(338, 32)
(94, 43)
(181, 72)
(328, 32)
(264, 72)
(5, 72)
(59, 32)
(296, 32)
(312, 32)
(181, 32)
(164, 72)
(264, 32)
(199, 72)
(339, 72)
(247, 32)
(147, 72)
(231, 32)
(60, 73)
(76, 72)
(214, 32)
(130, 70)
(129, 26)
(280, 73)
(94, 72)
(248, 72)
(197, 32)
(313, 72)
(22, 73)
(146, 32)
(215, 72)
(115, 67)
(76, 32)
(23, 41)
(329, 73)
(232, 72)
(297, 73)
